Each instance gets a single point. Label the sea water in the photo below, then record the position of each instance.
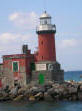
(42, 106)
(73, 75)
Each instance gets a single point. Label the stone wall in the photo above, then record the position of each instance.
(49, 75)
(17, 69)
(9, 75)
(52, 73)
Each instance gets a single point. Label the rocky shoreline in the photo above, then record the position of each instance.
(50, 91)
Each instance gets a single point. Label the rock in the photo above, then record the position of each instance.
(72, 90)
(59, 89)
(27, 92)
(70, 98)
(12, 96)
(5, 99)
(57, 97)
(14, 91)
(74, 97)
(47, 86)
(49, 83)
(80, 96)
(50, 91)
(41, 89)
(18, 98)
(39, 96)
(31, 98)
(21, 91)
(47, 97)
(35, 89)
(6, 89)
(56, 90)
(80, 87)
(5, 94)
(1, 94)
(65, 93)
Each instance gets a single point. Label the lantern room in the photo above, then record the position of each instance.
(45, 19)
(45, 24)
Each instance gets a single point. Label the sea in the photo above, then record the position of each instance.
(47, 106)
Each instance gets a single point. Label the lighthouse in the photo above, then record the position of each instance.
(46, 65)
(46, 39)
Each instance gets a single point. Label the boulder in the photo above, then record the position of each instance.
(80, 96)
(21, 91)
(31, 98)
(56, 90)
(47, 86)
(18, 98)
(47, 97)
(56, 85)
(14, 91)
(61, 89)
(74, 97)
(50, 91)
(39, 96)
(35, 89)
(41, 89)
(72, 90)
(80, 87)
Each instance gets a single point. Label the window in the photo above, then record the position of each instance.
(48, 21)
(45, 21)
(32, 66)
(42, 57)
(53, 49)
(42, 42)
(15, 66)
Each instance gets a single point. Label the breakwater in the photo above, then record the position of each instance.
(50, 91)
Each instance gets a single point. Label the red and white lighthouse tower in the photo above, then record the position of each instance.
(46, 39)
(46, 65)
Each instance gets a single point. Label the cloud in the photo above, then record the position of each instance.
(67, 44)
(67, 49)
(8, 37)
(11, 43)
(24, 20)
(14, 16)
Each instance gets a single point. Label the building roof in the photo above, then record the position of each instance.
(45, 15)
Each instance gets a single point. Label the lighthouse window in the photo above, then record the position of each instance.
(41, 21)
(45, 22)
(49, 21)
(42, 42)
(42, 57)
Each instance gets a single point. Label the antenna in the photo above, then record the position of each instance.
(45, 4)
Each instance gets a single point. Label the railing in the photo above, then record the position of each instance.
(46, 27)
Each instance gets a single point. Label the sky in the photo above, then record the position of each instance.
(18, 21)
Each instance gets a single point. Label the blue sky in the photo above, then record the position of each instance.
(18, 21)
